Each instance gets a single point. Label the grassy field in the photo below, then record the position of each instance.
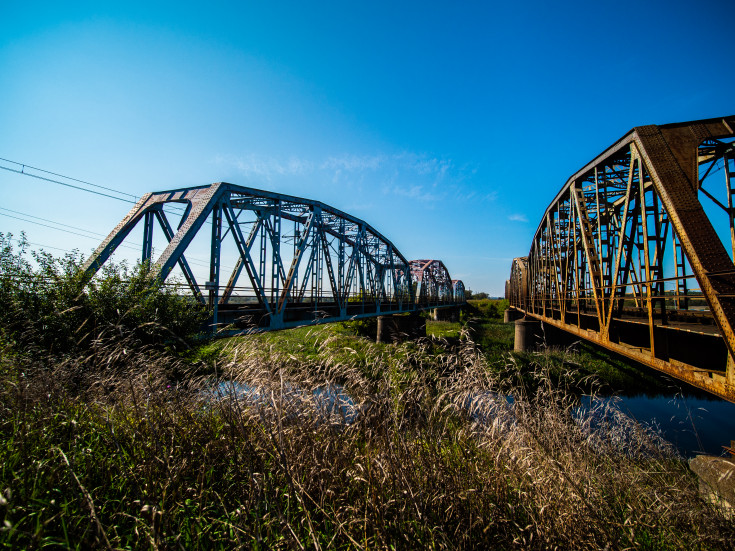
(121, 429)
(144, 448)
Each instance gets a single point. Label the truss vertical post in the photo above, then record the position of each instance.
(341, 262)
(276, 262)
(573, 213)
(296, 250)
(148, 236)
(682, 299)
(262, 258)
(729, 179)
(214, 262)
(659, 238)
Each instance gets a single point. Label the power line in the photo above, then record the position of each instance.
(24, 173)
(132, 246)
(51, 221)
(47, 226)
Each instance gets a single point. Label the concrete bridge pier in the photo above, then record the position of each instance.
(528, 334)
(511, 315)
(400, 327)
(445, 314)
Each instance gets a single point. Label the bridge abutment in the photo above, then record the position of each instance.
(400, 327)
(716, 479)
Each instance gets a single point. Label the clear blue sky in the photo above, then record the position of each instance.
(447, 126)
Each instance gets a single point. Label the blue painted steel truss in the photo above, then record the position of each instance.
(298, 261)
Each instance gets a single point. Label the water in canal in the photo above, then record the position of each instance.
(693, 420)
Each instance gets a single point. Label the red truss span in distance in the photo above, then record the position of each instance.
(434, 285)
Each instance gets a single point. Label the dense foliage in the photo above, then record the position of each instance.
(47, 305)
(489, 308)
(312, 438)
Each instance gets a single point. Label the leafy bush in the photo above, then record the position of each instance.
(49, 305)
(490, 308)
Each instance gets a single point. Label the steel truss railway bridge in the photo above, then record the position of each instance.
(296, 261)
(635, 253)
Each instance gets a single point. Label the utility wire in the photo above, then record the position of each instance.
(65, 184)
(47, 226)
(134, 199)
(51, 221)
(132, 246)
(24, 173)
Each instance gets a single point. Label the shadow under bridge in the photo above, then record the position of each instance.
(265, 261)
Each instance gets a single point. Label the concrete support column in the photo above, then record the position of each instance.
(400, 327)
(526, 338)
(445, 314)
(381, 331)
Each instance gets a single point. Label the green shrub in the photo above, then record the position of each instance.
(49, 305)
(490, 308)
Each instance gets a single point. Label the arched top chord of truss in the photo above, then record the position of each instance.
(637, 246)
(298, 260)
(434, 285)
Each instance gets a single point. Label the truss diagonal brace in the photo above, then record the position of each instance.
(243, 248)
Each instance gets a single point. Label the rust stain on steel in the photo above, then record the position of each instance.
(630, 231)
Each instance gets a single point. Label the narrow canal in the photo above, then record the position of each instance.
(694, 422)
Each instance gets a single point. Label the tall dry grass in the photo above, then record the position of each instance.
(131, 447)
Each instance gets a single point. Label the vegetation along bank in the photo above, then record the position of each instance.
(121, 429)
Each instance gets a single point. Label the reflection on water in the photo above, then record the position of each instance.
(691, 419)
(692, 422)
(330, 403)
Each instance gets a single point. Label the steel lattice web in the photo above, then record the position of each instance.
(635, 252)
(296, 261)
